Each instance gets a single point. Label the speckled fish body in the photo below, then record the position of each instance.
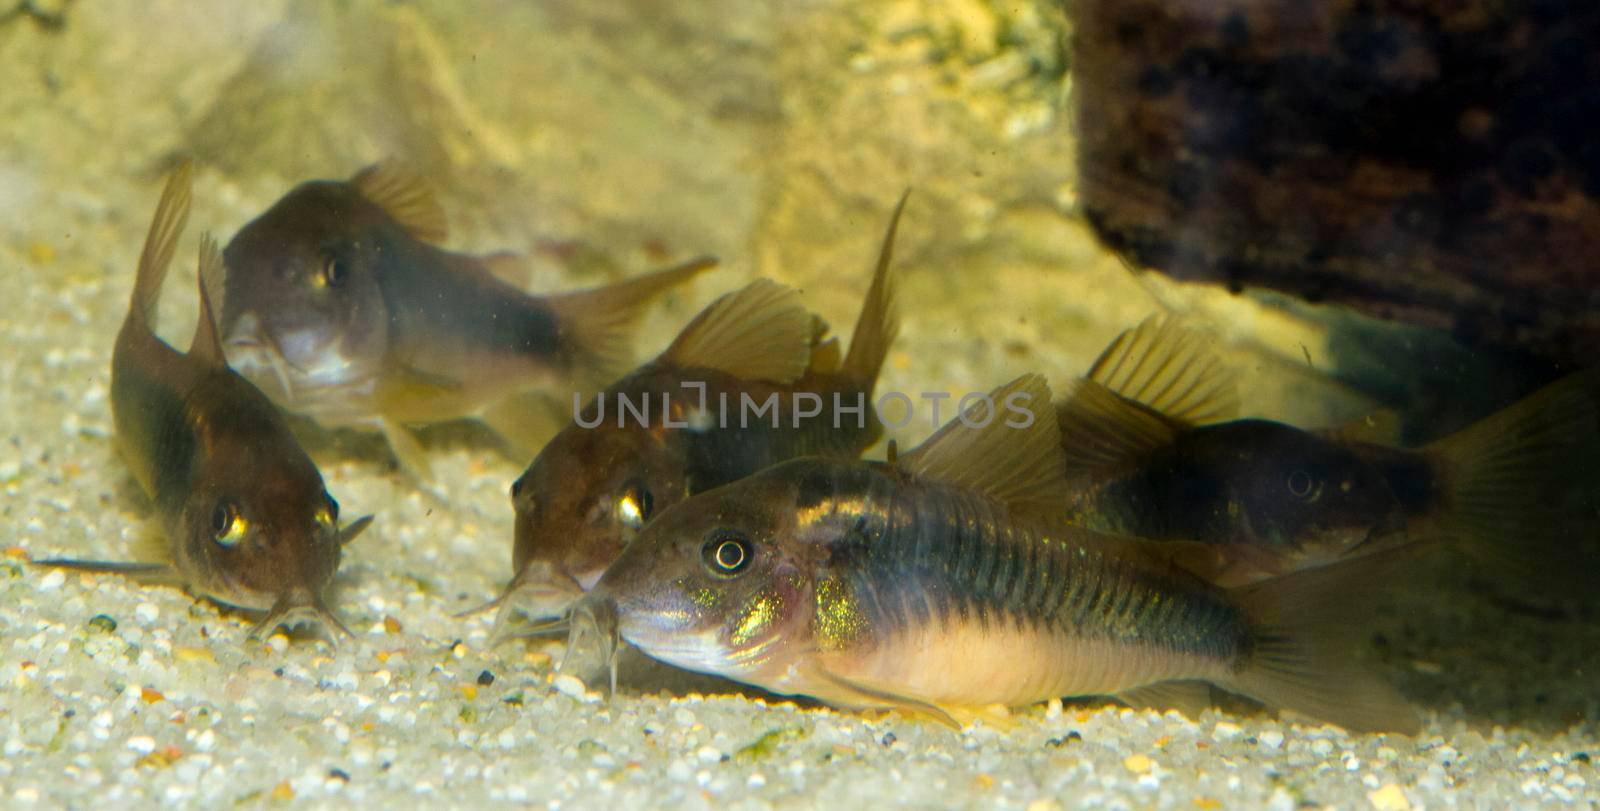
(752, 381)
(1271, 498)
(243, 510)
(341, 305)
(938, 584)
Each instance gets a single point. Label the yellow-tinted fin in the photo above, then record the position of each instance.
(1171, 368)
(1302, 657)
(826, 357)
(845, 690)
(206, 346)
(405, 196)
(353, 530)
(1191, 698)
(1009, 451)
(509, 267)
(597, 324)
(526, 421)
(1100, 429)
(407, 450)
(759, 332)
(1518, 488)
(166, 226)
(879, 322)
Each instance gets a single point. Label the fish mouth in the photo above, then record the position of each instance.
(298, 608)
(537, 598)
(250, 349)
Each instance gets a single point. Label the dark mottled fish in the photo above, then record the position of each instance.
(340, 304)
(245, 516)
(603, 477)
(940, 583)
(1270, 498)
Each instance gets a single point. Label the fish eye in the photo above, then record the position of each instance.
(228, 525)
(634, 507)
(1299, 484)
(328, 513)
(727, 553)
(334, 272)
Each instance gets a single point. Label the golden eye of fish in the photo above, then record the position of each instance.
(633, 509)
(333, 272)
(228, 525)
(727, 553)
(328, 514)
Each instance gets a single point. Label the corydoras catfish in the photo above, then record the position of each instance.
(1148, 456)
(245, 517)
(940, 584)
(340, 304)
(750, 382)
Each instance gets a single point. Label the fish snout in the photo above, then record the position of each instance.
(298, 606)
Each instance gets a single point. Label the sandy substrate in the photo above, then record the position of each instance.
(115, 694)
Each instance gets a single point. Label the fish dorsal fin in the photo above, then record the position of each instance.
(825, 353)
(1100, 429)
(1005, 447)
(207, 343)
(172, 215)
(405, 196)
(760, 332)
(879, 322)
(1172, 368)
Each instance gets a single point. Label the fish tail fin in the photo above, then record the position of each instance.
(1303, 635)
(172, 215)
(599, 322)
(1517, 488)
(879, 321)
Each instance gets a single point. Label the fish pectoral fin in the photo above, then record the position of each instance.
(407, 450)
(404, 380)
(153, 574)
(403, 194)
(851, 692)
(1171, 368)
(759, 332)
(1191, 698)
(350, 531)
(1100, 429)
(986, 451)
